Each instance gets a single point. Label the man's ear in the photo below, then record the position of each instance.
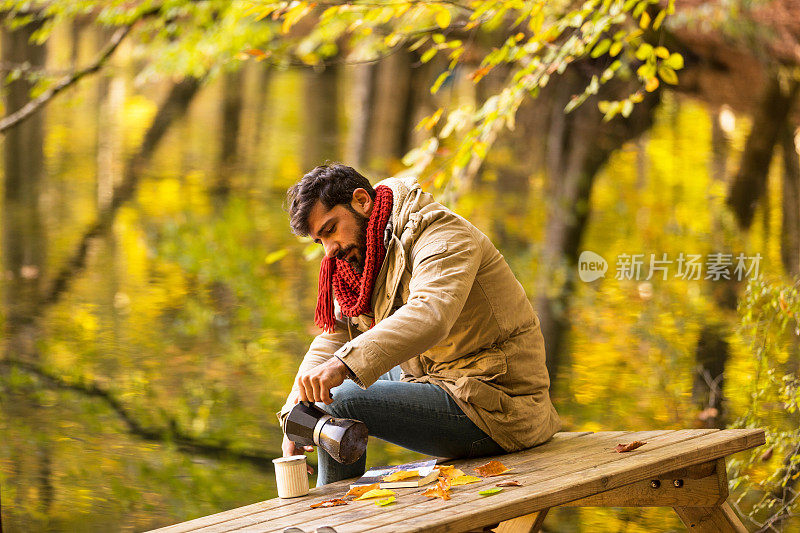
(362, 202)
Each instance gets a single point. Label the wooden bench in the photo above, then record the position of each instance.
(683, 469)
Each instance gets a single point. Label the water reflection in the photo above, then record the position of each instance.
(143, 391)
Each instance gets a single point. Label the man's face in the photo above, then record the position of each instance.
(342, 232)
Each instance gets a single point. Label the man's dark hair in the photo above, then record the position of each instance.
(333, 184)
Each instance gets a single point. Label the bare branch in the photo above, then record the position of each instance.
(31, 107)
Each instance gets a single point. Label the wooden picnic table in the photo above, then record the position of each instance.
(682, 469)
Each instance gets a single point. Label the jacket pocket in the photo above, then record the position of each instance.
(488, 365)
(476, 392)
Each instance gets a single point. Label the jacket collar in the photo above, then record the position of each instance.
(408, 198)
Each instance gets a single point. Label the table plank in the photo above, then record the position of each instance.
(463, 514)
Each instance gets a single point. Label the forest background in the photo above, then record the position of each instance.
(155, 305)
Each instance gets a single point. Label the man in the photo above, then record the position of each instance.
(406, 282)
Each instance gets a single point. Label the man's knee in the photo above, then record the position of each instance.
(346, 398)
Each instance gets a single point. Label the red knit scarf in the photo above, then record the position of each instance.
(354, 292)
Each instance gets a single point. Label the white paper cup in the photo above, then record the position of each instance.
(291, 475)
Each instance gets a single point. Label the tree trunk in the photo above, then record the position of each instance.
(750, 183)
(790, 225)
(363, 105)
(578, 144)
(24, 241)
(254, 153)
(389, 118)
(230, 119)
(110, 99)
(321, 117)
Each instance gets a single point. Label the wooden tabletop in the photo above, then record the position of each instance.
(568, 467)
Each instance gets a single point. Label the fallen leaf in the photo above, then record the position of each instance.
(401, 474)
(628, 447)
(441, 490)
(360, 490)
(463, 480)
(376, 493)
(451, 473)
(492, 468)
(385, 501)
(489, 492)
(511, 483)
(329, 503)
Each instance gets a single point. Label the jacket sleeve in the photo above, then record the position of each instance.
(443, 272)
(321, 349)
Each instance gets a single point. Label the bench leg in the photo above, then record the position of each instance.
(530, 523)
(711, 519)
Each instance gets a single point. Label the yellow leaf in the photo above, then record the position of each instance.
(662, 52)
(443, 18)
(392, 39)
(644, 22)
(376, 493)
(652, 84)
(275, 256)
(401, 474)
(463, 480)
(360, 490)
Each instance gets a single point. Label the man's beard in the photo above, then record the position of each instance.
(357, 262)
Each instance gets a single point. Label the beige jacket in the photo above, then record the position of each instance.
(449, 311)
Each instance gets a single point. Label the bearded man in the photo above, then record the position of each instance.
(443, 351)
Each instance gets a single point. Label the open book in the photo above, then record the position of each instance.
(426, 469)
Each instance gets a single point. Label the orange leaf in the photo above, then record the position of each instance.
(329, 503)
(478, 74)
(511, 483)
(628, 447)
(492, 468)
(361, 490)
(255, 52)
(441, 490)
(450, 472)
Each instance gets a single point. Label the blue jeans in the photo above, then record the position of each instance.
(419, 416)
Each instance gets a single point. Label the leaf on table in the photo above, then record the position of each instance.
(376, 493)
(489, 492)
(451, 473)
(630, 446)
(510, 483)
(385, 501)
(401, 474)
(329, 503)
(492, 468)
(360, 490)
(441, 490)
(463, 480)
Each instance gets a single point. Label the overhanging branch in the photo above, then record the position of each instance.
(31, 107)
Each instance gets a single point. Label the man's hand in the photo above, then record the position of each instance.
(291, 448)
(315, 385)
